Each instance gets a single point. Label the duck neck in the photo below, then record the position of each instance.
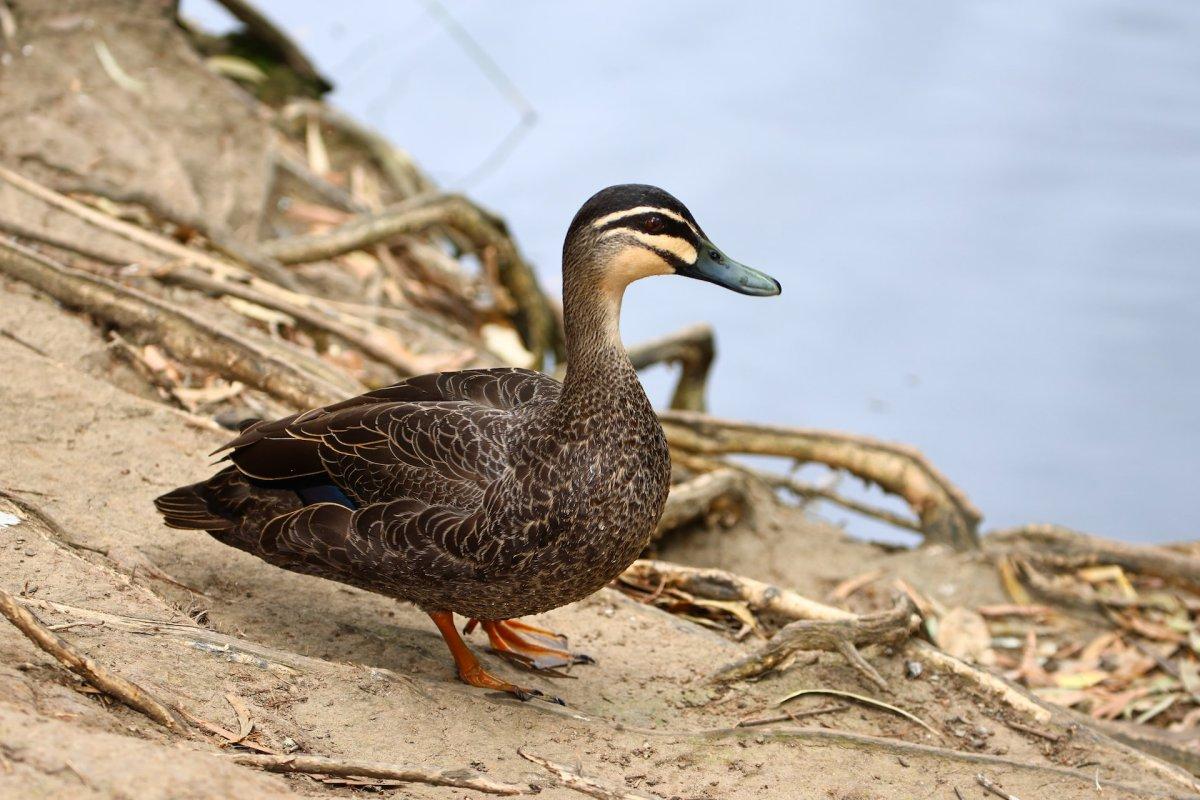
(600, 377)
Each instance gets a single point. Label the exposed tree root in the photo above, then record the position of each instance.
(571, 779)
(946, 515)
(406, 773)
(182, 332)
(535, 318)
(1063, 547)
(108, 682)
(717, 584)
(695, 498)
(841, 636)
(693, 348)
(374, 341)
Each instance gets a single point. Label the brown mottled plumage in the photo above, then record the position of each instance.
(492, 493)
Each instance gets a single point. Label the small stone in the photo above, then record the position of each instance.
(29, 551)
(289, 745)
(913, 669)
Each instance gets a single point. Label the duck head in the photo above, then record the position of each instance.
(633, 231)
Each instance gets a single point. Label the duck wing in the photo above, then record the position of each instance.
(438, 438)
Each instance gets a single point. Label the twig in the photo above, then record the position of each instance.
(571, 779)
(694, 498)
(946, 515)
(790, 716)
(841, 636)
(106, 681)
(693, 349)
(1041, 734)
(13, 228)
(870, 701)
(986, 783)
(408, 773)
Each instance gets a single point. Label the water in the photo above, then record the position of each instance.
(985, 215)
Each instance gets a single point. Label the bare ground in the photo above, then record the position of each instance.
(351, 674)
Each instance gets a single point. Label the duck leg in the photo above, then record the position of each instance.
(530, 646)
(470, 671)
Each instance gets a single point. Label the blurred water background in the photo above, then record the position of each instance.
(985, 215)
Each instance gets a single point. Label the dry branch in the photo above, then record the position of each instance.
(717, 584)
(181, 332)
(349, 768)
(840, 636)
(103, 679)
(571, 779)
(1061, 546)
(693, 348)
(535, 318)
(946, 515)
(694, 498)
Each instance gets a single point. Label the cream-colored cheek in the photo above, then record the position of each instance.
(631, 265)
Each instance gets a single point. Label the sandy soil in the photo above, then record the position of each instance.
(351, 674)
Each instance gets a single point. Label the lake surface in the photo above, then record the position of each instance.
(985, 215)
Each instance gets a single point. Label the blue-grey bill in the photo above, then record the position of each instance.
(715, 267)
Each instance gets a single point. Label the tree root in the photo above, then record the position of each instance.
(183, 333)
(841, 636)
(1063, 547)
(271, 35)
(108, 682)
(694, 349)
(945, 513)
(570, 779)
(694, 498)
(155, 242)
(218, 238)
(376, 342)
(348, 768)
(717, 584)
(535, 318)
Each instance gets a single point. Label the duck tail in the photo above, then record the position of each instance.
(193, 508)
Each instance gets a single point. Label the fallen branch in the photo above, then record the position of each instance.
(183, 333)
(946, 515)
(992, 788)
(108, 682)
(571, 779)
(841, 636)
(693, 349)
(809, 492)
(1064, 547)
(694, 498)
(717, 584)
(349, 768)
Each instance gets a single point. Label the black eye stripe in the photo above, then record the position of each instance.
(670, 227)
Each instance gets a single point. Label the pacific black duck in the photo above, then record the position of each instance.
(490, 493)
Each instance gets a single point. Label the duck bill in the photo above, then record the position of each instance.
(715, 267)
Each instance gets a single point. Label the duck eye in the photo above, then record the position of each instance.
(653, 224)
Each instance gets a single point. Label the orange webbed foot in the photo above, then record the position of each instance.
(529, 646)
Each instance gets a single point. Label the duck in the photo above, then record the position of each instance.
(494, 494)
